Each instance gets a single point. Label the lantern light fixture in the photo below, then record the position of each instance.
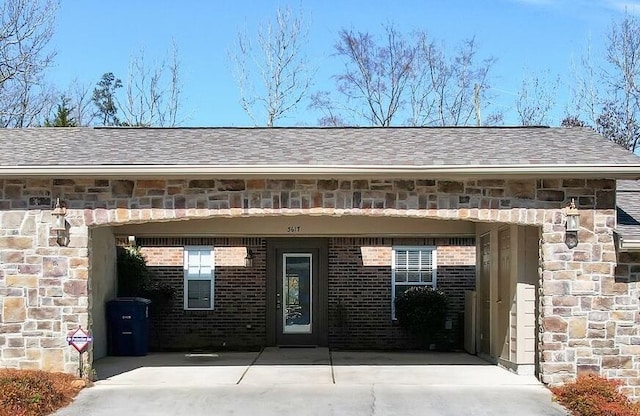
(572, 225)
(248, 260)
(59, 223)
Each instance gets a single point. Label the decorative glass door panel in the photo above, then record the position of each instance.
(297, 293)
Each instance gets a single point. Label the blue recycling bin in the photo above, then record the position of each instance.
(128, 326)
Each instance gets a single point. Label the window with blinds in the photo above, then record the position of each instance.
(412, 266)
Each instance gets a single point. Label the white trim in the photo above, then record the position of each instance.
(434, 271)
(613, 171)
(187, 279)
(629, 244)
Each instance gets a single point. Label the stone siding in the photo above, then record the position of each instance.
(45, 289)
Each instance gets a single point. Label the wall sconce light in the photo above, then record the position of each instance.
(248, 260)
(572, 225)
(59, 223)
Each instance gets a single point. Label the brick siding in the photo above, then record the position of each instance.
(238, 318)
(359, 293)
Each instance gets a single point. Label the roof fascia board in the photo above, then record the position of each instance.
(237, 171)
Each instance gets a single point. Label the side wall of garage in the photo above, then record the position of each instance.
(102, 286)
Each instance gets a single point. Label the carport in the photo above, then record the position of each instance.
(506, 293)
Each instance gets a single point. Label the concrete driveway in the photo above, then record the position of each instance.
(297, 381)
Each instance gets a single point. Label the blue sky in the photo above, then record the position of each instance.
(93, 37)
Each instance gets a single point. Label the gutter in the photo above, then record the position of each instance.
(594, 171)
(628, 244)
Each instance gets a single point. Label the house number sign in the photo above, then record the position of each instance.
(294, 229)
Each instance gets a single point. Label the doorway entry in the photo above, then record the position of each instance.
(297, 292)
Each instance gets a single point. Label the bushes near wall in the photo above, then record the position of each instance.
(135, 279)
(592, 395)
(35, 393)
(422, 312)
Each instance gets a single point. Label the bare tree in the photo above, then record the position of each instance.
(375, 76)
(273, 72)
(152, 92)
(572, 121)
(619, 126)
(607, 93)
(26, 27)
(536, 99)
(80, 103)
(622, 78)
(447, 90)
(586, 93)
(409, 80)
(322, 101)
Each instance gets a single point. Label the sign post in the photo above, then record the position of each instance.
(80, 340)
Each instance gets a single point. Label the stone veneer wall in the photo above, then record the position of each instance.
(44, 288)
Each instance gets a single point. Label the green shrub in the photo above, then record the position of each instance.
(592, 395)
(135, 279)
(422, 312)
(35, 393)
(134, 276)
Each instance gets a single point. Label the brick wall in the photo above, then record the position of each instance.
(359, 293)
(360, 289)
(238, 318)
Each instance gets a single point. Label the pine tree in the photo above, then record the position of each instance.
(62, 116)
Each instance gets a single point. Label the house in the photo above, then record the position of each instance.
(303, 236)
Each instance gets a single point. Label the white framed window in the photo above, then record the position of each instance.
(198, 278)
(411, 266)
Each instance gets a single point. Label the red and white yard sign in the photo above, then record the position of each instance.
(79, 339)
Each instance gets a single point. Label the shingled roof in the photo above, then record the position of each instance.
(437, 151)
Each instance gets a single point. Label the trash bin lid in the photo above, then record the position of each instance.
(131, 299)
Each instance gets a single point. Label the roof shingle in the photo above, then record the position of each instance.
(309, 146)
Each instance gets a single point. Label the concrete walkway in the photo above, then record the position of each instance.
(316, 381)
